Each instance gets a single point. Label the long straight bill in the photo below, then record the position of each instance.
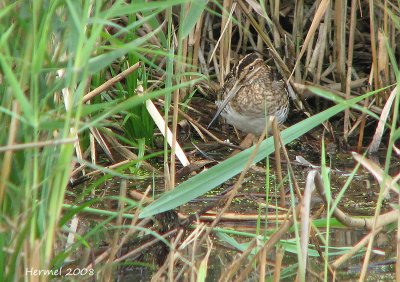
(221, 107)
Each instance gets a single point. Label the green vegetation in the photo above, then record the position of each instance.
(86, 183)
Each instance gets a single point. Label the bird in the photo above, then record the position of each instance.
(251, 93)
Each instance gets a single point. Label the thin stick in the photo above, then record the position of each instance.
(106, 85)
(54, 142)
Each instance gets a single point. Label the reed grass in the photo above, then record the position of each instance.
(75, 79)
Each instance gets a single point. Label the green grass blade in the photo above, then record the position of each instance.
(132, 8)
(100, 62)
(16, 88)
(194, 13)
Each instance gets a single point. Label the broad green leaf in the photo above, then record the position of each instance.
(211, 178)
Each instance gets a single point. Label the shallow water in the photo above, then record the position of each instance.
(359, 200)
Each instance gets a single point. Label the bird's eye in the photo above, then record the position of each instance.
(251, 68)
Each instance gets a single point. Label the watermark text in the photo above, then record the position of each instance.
(59, 272)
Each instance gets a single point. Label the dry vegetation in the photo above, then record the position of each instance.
(83, 148)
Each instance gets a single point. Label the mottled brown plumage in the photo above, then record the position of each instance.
(251, 93)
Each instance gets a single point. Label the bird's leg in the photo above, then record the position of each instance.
(246, 143)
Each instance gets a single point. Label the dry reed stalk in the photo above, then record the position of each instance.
(260, 42)
(325, 38)
(315, 64)
(185, 58)
(96, 135)
(93, 152)
(278, 264)
(226, 33)
(314, 231)
(174, 142)
(311, 57)
(353, 85)
(290, 169)
(383, 61)
(158, 276)
(314, 25)
(237, 264)
(199, 38)
(298, 24)
(111, 82)
(95, 172)
(350, 65)
(245, 35)
(7, 159)
(240, 48)
(363, 120)
(277, 58)
(241, 217)
(39, 144)
(305, 224)
(179, 66)
(210, 56)
(340, 40)
(392, 35)
(277, 144)
(374, 67)
(275, 9)
(194, 44)
(262, 265)
(386, 33)
(273, 240)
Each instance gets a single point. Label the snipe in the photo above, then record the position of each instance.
(251, 93)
